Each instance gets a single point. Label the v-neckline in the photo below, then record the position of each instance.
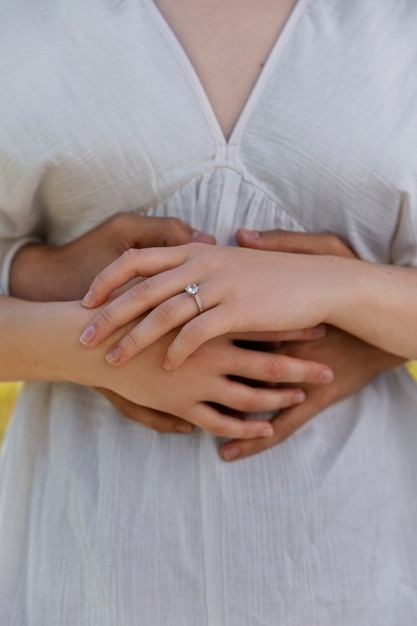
(257, 90)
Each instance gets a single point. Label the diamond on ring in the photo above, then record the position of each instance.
(192, 290)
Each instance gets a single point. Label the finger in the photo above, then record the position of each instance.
(130, 265)
(289, 241)
(240, 397)
(276, 368)
(284, 424)
(138, 299)
(210, 324)
(278, 336)
(171, 314)
(156, 420)
(209, 419)
(146, 231)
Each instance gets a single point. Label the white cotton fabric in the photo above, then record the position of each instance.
(103, 522)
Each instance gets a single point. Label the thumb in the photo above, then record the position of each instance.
(290, 241)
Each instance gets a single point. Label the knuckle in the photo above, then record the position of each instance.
(130, 343)
(195, 247)
(251, 404)
(142, 290)
(105, 318)
(275, 368)
(194, 332)
(131, 256)
(164, 313)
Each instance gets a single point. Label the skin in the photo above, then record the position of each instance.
(71, 267)
(211, 31)
(209, 375)
(354, 362)
(244, 289)
(36, 336)
(222, 33)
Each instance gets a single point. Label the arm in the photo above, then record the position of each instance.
(58, 273)
(244, 289)
(43, 273)
(354, 362)
(40, 342)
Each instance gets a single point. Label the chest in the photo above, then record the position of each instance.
(116, 117)
(227, 44)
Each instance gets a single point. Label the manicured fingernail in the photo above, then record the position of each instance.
(183, 428)
(326, 376)
(198, 235)
(249, 234)
(88, 299)
(299, 397)
(231, 453)
(114, 355)
(266, 432)
(88, 335)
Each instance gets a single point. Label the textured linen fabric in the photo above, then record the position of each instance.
(105, 522)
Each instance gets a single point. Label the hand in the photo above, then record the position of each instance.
(211, 377)
(59, 273)
(155, 420)
(354, 362)
(43, 273)
(241, 290)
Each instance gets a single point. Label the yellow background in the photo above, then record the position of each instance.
(8, 392)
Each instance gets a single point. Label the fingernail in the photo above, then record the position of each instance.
(88, 335)
(326, 376)
(167, 365)
(249, 234)
(183, 428)
(88, 299)
(266, 432)
(114, 355)
(231, 453)
(198, 235)
(299, 397)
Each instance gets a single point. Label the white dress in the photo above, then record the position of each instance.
(104, 522)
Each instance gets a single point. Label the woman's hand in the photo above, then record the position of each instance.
(43, 273)
(240, 289)
(354, 362)
(61, 273)
(95, 248)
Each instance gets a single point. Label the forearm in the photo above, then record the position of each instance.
(40, 342)
(44, 274)
(377, 303)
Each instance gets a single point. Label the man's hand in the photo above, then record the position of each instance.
(354, 362)
(43, 273)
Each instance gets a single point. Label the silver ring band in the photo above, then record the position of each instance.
(192, 290)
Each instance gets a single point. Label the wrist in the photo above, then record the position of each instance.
(41, 342)
(31, 277)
